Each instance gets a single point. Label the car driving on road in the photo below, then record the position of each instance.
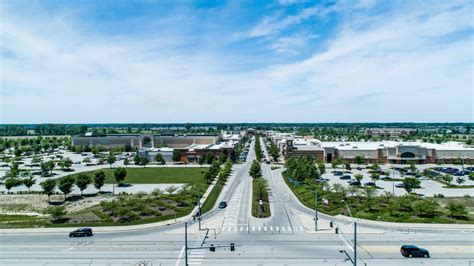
(84, 231)
(414, 251)
(222, 205)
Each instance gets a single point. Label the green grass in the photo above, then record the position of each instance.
(212, 198)
(161, 175)
(462, 186)
(21, 221)
(256, 202)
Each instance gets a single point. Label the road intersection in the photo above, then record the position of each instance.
(286, 238)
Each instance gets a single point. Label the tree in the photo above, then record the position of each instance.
(369, 192)
(136, 159)
(460, 180)
(201, 160)
(412, 166)
(111, 159)
(65, 184)
(48, 187)
(57, 213)
(347, 166)
(375, 177)
(11, 182)
(255, 170)
(29, 182)
(358, 177)
(321, 168)
(359, 159)
(126, 161)
(47, 167)
(82, 182)
(471, 176)
(159, 158)
(448, 179)
(66, 163)
(457, 210)
(99, 179)
(120, 174)
(411, 183)
(176, 157)
(144, 161)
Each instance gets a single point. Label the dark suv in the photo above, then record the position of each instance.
(222, 205)
(414, 251)
(81, 232)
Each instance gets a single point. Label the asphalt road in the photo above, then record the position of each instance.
(285, 238)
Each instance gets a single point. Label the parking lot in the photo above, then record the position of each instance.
(428, 187)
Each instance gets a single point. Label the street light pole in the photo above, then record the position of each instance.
(186, 243)
(355, 243)
(199, 210)
(316, 210)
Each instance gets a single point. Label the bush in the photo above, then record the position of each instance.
(457, 211)
(57, 214)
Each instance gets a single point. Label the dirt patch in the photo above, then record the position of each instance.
(84, 218)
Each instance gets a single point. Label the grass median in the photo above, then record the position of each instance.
(260, 201)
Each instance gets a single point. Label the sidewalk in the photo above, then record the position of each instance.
(106, 229)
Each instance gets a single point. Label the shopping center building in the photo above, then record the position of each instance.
(381, 151)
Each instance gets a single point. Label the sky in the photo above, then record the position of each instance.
(164, 61)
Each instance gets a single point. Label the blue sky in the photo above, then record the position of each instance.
(236, 61)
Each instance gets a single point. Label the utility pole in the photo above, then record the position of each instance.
(186, 243)
(355, 243)
(315, 210)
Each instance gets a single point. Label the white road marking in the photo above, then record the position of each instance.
(241, 228)
(180, 256)
(259, 228)
(289, 228)
(283, 228)
(276, 228)
(271, 228)
(253, 228)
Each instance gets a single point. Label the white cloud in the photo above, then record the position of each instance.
(395, 69)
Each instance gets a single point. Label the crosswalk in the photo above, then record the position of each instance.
(196, 256)
(276, 229)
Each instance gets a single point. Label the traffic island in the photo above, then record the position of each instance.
(260, 202)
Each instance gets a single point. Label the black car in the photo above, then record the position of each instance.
(81, 232)
(414, 251)
(354, 183)
(400, 185)
(222, 205)
(338, 173)
(369, 184)
(345, 177)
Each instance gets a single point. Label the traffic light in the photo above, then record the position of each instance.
(212, 248)
(232, 247)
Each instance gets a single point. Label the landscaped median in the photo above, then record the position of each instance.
(260, 201)
(364, 203)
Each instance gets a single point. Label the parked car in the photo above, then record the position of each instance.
(222, 205)
(345, 177)
(400, 185)
(369, 184)
(354, 183)
(338, 173)
(81, 232)
(414, 251)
